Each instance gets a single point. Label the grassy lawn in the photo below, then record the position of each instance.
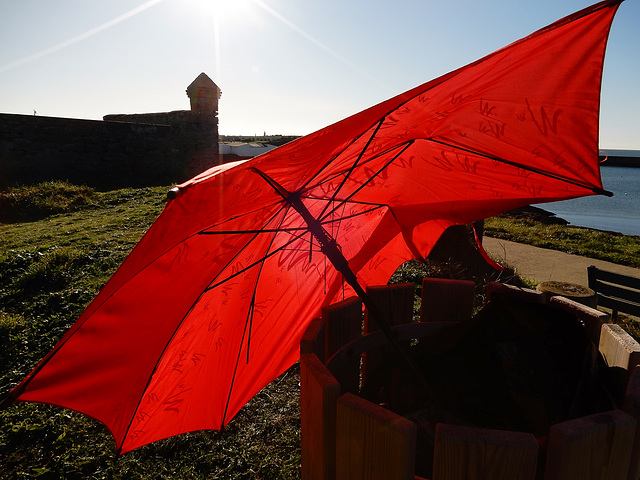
(59, 244)
(529, 229)
(50, 268)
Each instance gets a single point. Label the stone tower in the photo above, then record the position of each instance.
(203, 94)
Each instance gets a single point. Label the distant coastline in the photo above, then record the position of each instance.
(620, 161)
(620, 158)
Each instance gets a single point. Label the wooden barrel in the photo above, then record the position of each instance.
(345, 435)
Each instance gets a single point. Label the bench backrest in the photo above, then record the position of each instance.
(615, 291)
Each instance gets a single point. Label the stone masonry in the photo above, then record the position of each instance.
(120, 151)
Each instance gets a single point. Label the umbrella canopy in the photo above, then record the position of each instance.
(211, 304)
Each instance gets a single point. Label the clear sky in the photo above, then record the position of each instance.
(284, 66)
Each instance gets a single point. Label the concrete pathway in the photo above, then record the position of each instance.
(541, 264)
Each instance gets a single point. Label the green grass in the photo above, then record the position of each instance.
(50, 269)
(56, 253)
(612, 247)
(19, 204)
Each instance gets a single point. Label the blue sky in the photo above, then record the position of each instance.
(284, 66)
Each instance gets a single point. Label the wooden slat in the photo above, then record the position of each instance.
(467, 453)
(319, 392)
(591, 318)
(524, 294)
(395, 303)
(618, 348)
(446, 300)
(373, 443)
(313, 339)
(596, 447)
(632, 407)
(343, 323)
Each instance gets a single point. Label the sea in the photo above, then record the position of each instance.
(620, 213)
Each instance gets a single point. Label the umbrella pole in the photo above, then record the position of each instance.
(329, 247)
(341, 264)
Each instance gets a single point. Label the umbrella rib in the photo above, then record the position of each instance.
(248, 324)
(355, 202)
(597, 190)
(329, 162)
(341, 173)
(263, 230)
(196, 302)
(355, 164)
(256, 232)
(337, 223)
(245, 214)
(342, 203)
(193, 304)
(239, 272)
(233, 378)
(255, 289)
(428, 87)
(404, 144)
(384, 167)
(65, 339)
(275, 230)
(353, 215)
(438, 81)
(331, 250)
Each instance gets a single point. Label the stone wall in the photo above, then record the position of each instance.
(121, 151)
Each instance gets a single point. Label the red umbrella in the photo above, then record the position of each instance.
(211, 304)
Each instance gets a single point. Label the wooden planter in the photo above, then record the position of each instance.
(345, 436)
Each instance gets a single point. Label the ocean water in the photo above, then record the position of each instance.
(620, 213)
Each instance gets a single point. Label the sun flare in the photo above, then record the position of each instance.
(222, 9)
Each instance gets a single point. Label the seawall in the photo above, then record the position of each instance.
(617, 161)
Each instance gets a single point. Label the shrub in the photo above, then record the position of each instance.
(35, 202)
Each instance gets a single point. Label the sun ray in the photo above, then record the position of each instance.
(318, 43)
(79, 38)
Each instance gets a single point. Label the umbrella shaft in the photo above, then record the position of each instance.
(329, 247)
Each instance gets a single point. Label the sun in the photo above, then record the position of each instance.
(227, 10)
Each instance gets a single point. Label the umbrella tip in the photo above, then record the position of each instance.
(602, 191)
(173, 193)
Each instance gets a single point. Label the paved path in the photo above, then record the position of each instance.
(541, 264)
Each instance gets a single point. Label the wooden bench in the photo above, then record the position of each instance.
(620, 293)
